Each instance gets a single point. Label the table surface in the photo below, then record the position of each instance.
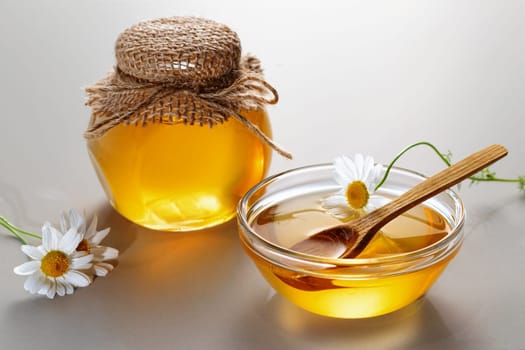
(353, 76)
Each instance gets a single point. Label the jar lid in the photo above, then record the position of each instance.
(185, 51)
(179, 70)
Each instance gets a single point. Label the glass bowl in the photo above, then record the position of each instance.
(400, 264)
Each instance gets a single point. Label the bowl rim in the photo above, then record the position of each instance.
(443, 246)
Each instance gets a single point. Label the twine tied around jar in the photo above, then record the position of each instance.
(179, 69)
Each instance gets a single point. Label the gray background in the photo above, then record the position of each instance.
(353, 76)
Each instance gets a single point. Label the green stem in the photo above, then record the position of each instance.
(476, 178)
(520, 180)
(9, 228)
(18, 232)
(400, 154)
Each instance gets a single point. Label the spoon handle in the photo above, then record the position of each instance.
(433, 185)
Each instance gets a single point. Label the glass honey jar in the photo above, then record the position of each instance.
(179, 130)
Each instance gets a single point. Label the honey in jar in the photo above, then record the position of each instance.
(179, 177)
(179, 130)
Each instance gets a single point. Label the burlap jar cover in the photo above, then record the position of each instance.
(177, 69)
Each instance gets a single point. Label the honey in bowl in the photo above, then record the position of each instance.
(180, 177)
(398, 266)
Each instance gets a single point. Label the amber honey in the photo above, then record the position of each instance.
(350, 291)
(180, 177)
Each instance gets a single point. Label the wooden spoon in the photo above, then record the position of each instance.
(348, 240)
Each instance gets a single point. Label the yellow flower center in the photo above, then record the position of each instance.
(54, 264)
(357, 194)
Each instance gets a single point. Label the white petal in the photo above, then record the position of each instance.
(70, 241)
(64, 222)
(76, 220)
(77, 278)
(340, 178)
(377, 174)
(368, 165)
(348, 166)
(82, 262)
(111, 253)
(99, 236)
(33, 283)
(376, 202)
(100, 272)
(341, 213)
(69, 288)
(33, 252)
(372, 178)
(359, 165)
(51, 291)
(335, 201)
(61, 289)
(104, 253)
(365, 169)
(92, 229)
(45, 284)
(102, 269)
(105, 265)
(368, 162)
(27, 268)
(341, 174)
(50, 237)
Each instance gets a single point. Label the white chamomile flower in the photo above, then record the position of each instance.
(357, 177)
(91, 241)
(57, 266)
